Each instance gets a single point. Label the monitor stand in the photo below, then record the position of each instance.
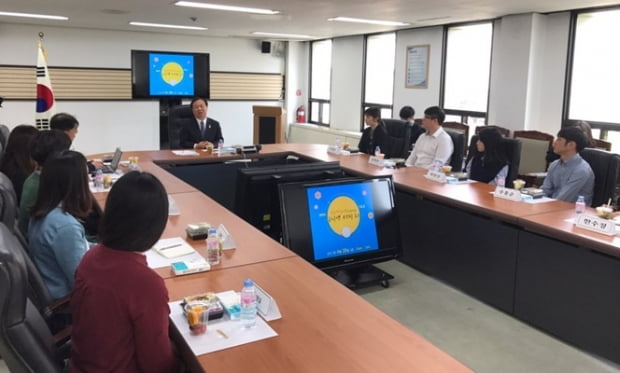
(361, 276)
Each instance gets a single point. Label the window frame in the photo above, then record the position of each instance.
(321, 102)
(604, 127)
(371, 104)
(464, 114)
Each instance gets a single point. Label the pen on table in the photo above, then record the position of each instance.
(170, 247)
(222, 333)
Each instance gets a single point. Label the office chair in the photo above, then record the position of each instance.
(605, 166)
(459, 127)
(511, 148)
(9, 206)
(176, 115)
(399, 132)
(504, 131)
(26, 343)
(458, 140)
(534, 146)
(4, 137)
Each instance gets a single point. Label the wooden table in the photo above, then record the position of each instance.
(324, 327)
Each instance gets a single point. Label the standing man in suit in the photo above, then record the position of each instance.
(200, 131)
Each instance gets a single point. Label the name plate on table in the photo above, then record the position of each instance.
(507, 193)
(438, 176)
(376, 161)
(596, 224)
(266, 305)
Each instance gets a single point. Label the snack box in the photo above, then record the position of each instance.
(208, 299)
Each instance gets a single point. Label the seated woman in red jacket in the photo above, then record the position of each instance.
(120, 305)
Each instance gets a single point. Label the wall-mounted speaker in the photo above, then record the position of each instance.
(265, 47)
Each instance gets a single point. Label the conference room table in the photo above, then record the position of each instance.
(526, 259)
(324, 325)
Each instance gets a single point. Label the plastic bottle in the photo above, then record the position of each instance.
(580, 205)
(501, 182)
(220, 147)
(99, 179)
(248, 304)
(338, 144)
(213, 247)
(377, 151)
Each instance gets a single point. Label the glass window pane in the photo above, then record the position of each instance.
(314, 111)
(596, 68)
(380, 54)
(321, 69)
(452, 118)
(468, 64)
(386, 113)
(325, 116)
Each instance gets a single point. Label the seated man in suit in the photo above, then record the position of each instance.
(435, 145)
(570, 176)
(199, 132)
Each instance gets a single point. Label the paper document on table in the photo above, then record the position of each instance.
(155, 260)
(221, 334)
(539, 200)
(184, 152)
(173, 247)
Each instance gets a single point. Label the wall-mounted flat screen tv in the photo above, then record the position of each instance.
(169, 74)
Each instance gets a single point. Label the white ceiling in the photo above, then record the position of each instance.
(297, 16)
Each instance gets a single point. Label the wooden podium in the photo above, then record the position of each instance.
(269, 124)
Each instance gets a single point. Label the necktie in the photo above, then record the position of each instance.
(202, 128)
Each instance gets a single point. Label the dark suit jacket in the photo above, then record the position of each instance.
(190, 132)
(370, 140)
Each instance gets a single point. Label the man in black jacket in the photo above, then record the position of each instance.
(200, 131)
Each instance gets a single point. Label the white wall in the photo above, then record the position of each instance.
(346, 90)
(297, 66)
(510, 71)
(103, 123)
(417, 98)
(546, 92)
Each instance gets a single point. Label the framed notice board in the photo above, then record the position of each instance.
(417, 66)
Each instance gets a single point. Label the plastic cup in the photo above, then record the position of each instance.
(446, 169)
(518, 184)
(604, 212)
(197, 318)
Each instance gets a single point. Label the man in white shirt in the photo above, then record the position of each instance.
(435, 144)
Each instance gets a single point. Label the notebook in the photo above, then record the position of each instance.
(111, 168)
(173, 247)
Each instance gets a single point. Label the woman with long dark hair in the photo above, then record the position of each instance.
(16, 163)
(488, 162)
(375, 135)
(56, 236)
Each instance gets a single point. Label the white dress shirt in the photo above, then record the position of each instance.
(429, 148)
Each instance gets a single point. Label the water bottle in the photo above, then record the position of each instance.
(213, 247)
(220, 146)
(338, 144)
(377, 151)
(99, 179)
(248, 304)
(580, 205)
(501, 182)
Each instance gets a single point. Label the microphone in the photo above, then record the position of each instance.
(249, 149)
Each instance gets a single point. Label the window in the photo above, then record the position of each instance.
(320, 81)
(379, 73)
(595, 73)
(466, 72)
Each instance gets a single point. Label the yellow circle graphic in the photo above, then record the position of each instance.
(343, 216)
(172, 73)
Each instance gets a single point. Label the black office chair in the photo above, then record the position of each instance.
(4, 138)
(458, 140)
(26, 343)
(605, 166)
(9, 206)
(399, 132)
(512, 150)
(177, 114)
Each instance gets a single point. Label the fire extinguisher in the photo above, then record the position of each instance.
(301, 114)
